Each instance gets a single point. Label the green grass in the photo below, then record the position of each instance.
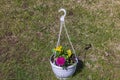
(29, 29)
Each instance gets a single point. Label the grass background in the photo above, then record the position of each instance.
(29, 30)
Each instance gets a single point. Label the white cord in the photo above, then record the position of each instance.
(58, 42)
(69, 39)
(62, 23)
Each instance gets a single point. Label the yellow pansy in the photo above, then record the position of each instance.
(69, 52)
(59, 48)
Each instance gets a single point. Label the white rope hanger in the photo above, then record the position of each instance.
(62, 24)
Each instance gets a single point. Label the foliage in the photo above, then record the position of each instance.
(63, 57)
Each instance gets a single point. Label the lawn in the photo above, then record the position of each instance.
(29, 31)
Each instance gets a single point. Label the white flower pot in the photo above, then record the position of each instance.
(63, 73)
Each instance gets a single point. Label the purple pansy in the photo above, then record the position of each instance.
(60, 61)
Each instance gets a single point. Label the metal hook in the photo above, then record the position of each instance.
(63, 16)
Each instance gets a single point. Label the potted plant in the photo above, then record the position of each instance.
(63, 60)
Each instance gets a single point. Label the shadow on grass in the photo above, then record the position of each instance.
(81, 64)
(79, 67)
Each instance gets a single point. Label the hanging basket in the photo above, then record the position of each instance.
(60, 71)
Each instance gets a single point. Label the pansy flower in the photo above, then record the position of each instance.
(60, 61)
(69, 52)
(59, 48)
